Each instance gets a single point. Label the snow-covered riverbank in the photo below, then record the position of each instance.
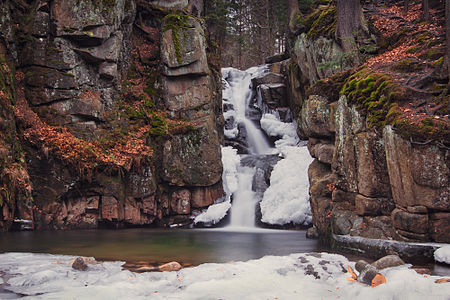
(297, 276)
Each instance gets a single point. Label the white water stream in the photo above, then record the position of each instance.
(240, 94)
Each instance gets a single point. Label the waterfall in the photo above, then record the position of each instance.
(239, 94)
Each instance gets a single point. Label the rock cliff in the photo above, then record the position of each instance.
(113, 113)
(380, 170)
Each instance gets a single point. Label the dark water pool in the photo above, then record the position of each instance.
(190, 246)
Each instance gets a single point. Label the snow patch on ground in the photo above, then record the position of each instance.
(443, 254)
(297, 276)
(216, 212)
(287, 198)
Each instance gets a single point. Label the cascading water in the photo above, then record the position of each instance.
(286, 200)
(240, 93)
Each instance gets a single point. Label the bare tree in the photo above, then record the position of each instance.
(447, 32)
(293, 10)
(426, 10)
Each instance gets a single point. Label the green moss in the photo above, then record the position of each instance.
(408, 65)
(413, 50)
(435, 53)
(438, 62)
(374, 94)
(176, 23)
(324, 24)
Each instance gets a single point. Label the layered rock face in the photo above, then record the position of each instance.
(366, 180)
(370, 183)
(127, 84)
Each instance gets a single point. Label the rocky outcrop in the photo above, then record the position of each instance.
(369, 183)
(126, 112)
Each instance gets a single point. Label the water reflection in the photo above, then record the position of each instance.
(161, 245)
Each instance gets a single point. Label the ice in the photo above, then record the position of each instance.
(216, 212)
(296, 276)
(274, 127)
(443, 254)
(287, 198)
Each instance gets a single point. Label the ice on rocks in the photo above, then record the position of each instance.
(443, 254)
(287, 198)
(297, 276)
(216, 212)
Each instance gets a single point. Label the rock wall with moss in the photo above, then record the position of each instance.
(111, 114)
(379, 132)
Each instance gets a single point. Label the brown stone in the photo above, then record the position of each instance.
(440, 227)
(149, 206)
(180, 202)
(418, 209)
(373, 179)
(388, 261)
(342, 196)
(110, 210)
(406, 221)
(171, 266)
(414, 183)
(367, 206)
(315, 116)
(412, 236)
(132, 212)
(320, 178)
(79, 264)
(205, 196)
(324, 153)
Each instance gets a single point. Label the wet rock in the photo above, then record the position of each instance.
(273, 95)
(312, 233)
(388, 261)
(171, 266)
(267, 78)
(79, 264)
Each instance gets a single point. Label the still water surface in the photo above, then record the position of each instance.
(189, 246)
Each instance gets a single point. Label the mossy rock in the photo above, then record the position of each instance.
(408, 65)
(324, 25)
(373, 93)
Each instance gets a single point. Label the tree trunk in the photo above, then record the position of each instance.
(293, 10)
(406, 5)
(426, 10)
(447, 32)
(350, 24)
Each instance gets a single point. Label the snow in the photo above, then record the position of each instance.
(216, 212)
(273, 126)
(443, 254)
(287, 198)
(45, 276)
